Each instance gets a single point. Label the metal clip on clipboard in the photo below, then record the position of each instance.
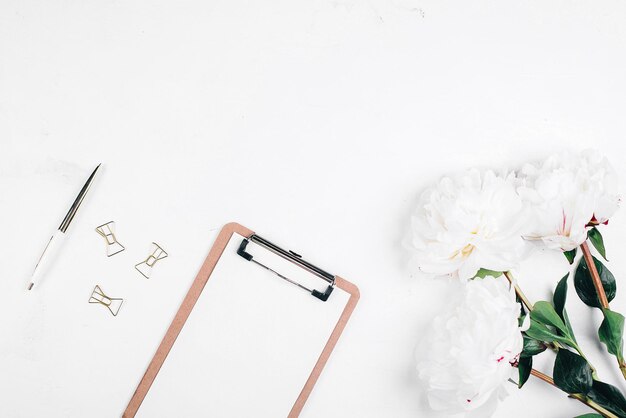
(292, 257)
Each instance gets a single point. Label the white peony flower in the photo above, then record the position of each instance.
(569, 193)
(469, 222)
(470, 352)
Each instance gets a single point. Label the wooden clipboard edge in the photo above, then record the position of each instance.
(192, 297)
(182, 314)
(330, 344)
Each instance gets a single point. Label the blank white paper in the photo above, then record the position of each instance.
(223, 362)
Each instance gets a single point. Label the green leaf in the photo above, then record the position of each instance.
(482, 273)
(541, 332)
(609, 397)
(583, 283)
(570, 255)
(532, 347)
(572, 373)
(524, 366)
(589, 416)
(596, 239)
(560, 295)
(544, 313)
(611, 332)
(569, 326)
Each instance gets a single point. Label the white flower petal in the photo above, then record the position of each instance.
(472, 221)
(566, 193)
(468, 355)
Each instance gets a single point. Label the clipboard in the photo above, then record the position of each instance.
(261, 331)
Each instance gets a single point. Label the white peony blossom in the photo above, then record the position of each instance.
(469, 222)
(470, 352)
(568, 193)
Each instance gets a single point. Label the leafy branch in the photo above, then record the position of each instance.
(572, 372)
(591, 271)
(582, 398)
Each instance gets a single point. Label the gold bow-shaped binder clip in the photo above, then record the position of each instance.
(145, 267)
(112, 304)
(107, 230)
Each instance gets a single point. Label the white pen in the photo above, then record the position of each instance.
(56, 240)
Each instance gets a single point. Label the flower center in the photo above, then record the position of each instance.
(467, 250)
(463, 252)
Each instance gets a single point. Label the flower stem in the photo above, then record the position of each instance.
(597, 283)
(519, 292)
(542, 376)
(595, 277)
(579, 396)
(554, 345)
(594, 371)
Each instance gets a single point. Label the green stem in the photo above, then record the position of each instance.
(594, 372)
(591, 404)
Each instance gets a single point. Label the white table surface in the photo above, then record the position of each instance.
(315, 124)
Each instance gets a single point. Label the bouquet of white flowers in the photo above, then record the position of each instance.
(477, 227)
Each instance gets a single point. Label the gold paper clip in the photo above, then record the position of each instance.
(107, 230)
(112, 304)
(145, 267)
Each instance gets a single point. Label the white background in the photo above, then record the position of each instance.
(315, 124)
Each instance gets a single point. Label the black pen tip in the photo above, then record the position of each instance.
(94, 172)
